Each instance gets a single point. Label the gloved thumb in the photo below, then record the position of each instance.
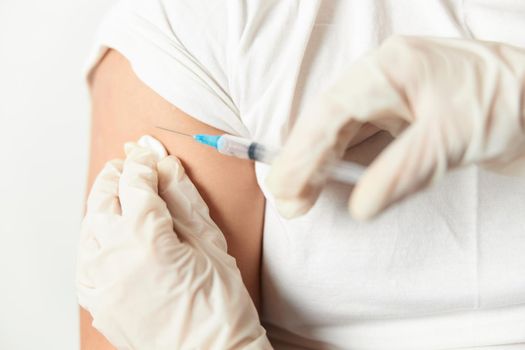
(413, 161)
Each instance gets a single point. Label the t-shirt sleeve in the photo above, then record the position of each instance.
(180, 49)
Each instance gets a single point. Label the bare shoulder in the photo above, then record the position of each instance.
(123, 109)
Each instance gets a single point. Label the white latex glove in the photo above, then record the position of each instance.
(153, 269)
(449, 102)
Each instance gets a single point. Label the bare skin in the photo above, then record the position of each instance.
(124, 109)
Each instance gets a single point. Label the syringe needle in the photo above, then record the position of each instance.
(174, 131)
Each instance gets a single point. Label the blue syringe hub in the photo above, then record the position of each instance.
(210, 140)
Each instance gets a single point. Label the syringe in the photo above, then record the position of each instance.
(239, 147)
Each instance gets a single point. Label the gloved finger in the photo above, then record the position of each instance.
(103, 197)
(138, 183)
(297, 176)
(189, 211)
(84, 277)
(103, 200)
(154, 145)
(88, 250)
(410, 163)
(363, 94)
(84, 297)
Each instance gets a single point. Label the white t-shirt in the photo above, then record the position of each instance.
(445, 269)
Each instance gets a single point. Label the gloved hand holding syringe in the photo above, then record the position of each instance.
(239, 147)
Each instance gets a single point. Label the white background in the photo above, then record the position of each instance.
(44, 130)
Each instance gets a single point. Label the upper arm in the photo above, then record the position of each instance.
(123, 110)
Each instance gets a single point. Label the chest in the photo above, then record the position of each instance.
(294, 50)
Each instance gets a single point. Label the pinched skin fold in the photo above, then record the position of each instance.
(448, 102)
(153, 270)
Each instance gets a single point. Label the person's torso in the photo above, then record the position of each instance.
(457, 247)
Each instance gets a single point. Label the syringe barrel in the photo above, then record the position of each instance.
(261, 153)
(345, 172)
(239, 147)
(244, 148)
(234, 146)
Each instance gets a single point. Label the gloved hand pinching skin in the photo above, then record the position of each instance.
(153, 270)
(448, 102)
